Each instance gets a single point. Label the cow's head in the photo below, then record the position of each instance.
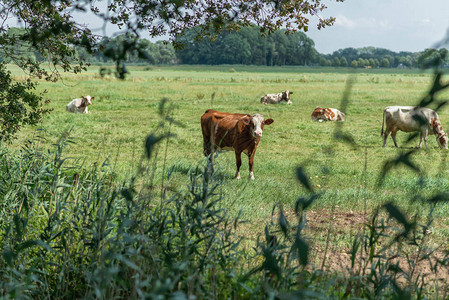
(286, 96)
(442, 140)
(319, 114)
(86, 101)
(256, 123)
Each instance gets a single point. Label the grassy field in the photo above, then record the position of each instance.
(125, 112)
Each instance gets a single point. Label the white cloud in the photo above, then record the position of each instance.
(384, 24)
(362, 23)
(344, 22)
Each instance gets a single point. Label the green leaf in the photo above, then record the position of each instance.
(302, 177)
(302, 250)
(395, 213)
(283, 222)
(402, 159)
(441, 197)
(303, 203)
(25, 245)
(127, 194)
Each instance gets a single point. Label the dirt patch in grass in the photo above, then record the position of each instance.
(327, 228)
(330, 235)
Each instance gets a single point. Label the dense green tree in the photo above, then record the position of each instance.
(20, 50)
(361, 62)
(343, 62)
(367, 53)
(167, 53)
(354, 64)
(349, 53)
(233, 50)
(336, 62)
(323, 61)
(385, 63)
(433, 58)
(391, 60)
(248, 47)
(257, 44)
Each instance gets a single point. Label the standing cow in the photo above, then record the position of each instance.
(327, 114)
(276, 98)
(79, 105)
(238, 132)
(410, 119)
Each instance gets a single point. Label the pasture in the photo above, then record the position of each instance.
(346, 176)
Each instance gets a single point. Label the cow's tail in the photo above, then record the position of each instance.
(383, 121)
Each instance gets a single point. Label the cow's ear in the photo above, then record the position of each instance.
(92, 98)
(246, 121)
(291, 93)
(268, 121)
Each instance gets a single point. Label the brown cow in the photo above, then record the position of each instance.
(327, 114)
(238, 132)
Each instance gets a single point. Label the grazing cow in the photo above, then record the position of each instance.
(411, 118)
(327, 114)
(238, 132)
(276, 98)
(79, 105)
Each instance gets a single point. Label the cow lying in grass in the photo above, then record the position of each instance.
(79, 105)
(238, 132)
(410, 119)
(327, 114)
(276, 98)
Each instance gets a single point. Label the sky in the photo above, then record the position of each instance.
(397, 25)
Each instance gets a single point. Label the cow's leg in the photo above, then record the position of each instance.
(251, 163)
(386, 133)
(393, 136)
(208, 150)
(424, 136)
(238, 159)
(420, 139)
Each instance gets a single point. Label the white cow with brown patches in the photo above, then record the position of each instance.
(79, 105)
(327, 114)
(276, 98)
(411, 119)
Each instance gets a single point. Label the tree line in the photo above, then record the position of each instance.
(384, 58)
(247, 47)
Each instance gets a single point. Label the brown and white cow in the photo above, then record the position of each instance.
(276, 98)
(237, 132)
(327, 114)
(410, 119)
(79, 105)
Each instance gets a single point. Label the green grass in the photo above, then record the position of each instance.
(125, 112)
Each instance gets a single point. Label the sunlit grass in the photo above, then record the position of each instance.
(125, 112)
